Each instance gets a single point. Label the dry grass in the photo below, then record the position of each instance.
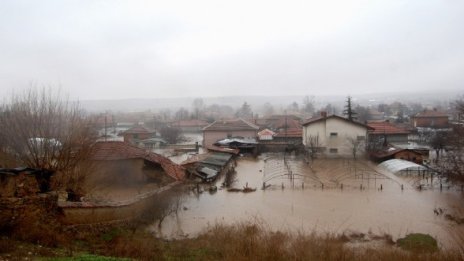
(251, 241)
(241, 241)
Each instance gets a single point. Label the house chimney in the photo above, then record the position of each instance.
(323, 114)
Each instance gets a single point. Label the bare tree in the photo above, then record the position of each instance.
(181, 114)
(268, 109)
(356, 146)
(308, 105)
(452, 162)
(43, 130)
(198, 107)
(313, 145)
(171, 134)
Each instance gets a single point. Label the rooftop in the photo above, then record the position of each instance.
(116, 150)
(386, 128)
(230, 125)
(138, 130)
(431, 113)
(190, 123)
(323, 118)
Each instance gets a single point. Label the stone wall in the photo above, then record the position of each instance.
(15, 211)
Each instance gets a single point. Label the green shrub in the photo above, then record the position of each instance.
(418, 242)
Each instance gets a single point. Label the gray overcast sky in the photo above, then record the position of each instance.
(151, 49)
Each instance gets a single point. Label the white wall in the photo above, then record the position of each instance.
(341, 142)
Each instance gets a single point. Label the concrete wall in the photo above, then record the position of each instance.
(91, 213)
(340, 142)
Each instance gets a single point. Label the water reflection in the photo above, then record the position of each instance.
(330, 196)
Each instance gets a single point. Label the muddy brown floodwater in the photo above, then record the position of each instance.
(303, 204)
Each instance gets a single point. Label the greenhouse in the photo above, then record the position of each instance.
(399, 165)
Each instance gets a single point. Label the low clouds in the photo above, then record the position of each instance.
(133, 49)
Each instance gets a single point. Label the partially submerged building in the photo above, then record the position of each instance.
(123, 163)
(137, 133)
(209, 166)
(244, 145)
(335, 136)
(418, 156)
(383, 133)
(223, 129)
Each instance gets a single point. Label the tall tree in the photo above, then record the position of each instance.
(349, 112)
(293, 107)
(245, 111)
(308, 105)
(181, 114)
(362, 113)
(268, 109)
(198, 107)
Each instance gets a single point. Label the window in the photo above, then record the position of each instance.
(333, 150)
(333, 134)
(360, 138)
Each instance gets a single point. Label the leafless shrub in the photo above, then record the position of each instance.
(43, 130)
(171, 134)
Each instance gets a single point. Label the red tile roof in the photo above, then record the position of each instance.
(118, 150)
(386, 128)
(266, 132)
(228, 125)
(431, 113)
(291, 133)
(291, 123)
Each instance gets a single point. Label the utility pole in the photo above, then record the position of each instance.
(105, 126)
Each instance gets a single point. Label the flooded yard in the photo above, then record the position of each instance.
(326, 196)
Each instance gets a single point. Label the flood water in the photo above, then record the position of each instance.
(316, 201)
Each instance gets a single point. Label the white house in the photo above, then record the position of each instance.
(335, 136)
